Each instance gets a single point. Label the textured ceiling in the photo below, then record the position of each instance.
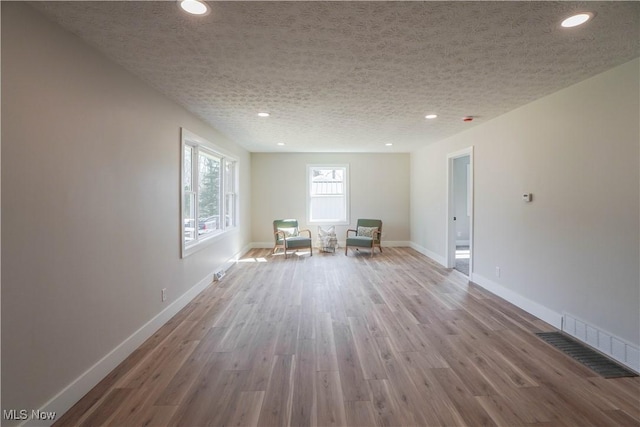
(352, 76)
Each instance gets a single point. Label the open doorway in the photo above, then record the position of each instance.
(460, 211)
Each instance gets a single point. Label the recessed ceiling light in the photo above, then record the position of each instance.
(578, 19)
(194, 7)
(388, 144)
(430, 116)
(280, 143)
(263, 114)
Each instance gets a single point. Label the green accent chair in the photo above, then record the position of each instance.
(368, 234)
(287, 236)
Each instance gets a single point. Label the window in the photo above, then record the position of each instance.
(209, 192)
(230, 196)
(328, 194)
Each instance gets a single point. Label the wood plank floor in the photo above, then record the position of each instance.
(331, 340)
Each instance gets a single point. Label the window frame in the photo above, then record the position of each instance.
(347, 196)
(199, 144)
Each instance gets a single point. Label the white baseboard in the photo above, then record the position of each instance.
(396, 243)
(72, 393)
(612, 346)
(604, 342)
(426, 252)
(608, 344)
(551, 317)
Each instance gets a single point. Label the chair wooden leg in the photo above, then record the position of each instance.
(345, 249)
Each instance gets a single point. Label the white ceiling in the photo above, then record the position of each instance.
(352, 76)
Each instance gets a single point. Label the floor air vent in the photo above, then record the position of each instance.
(588, 357)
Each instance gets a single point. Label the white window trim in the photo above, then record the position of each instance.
(346, 188)
(190, 138)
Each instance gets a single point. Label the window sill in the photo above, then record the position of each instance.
(204, 243)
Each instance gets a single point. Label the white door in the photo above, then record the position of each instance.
(460, 210)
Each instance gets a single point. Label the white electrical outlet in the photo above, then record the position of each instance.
(164, 294)
(497, 271)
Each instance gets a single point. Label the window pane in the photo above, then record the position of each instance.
(327, 181)
(188, 207)
(327, 209)
(230, 213)
(208, 193)
(229, 176)
(189, 215)
(230, 196)
(186, 168)
(327, 194)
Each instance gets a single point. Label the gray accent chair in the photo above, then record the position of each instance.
(287, 236)
(368, 234)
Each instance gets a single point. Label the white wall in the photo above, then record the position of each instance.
(91, 230)
(379, 185)
(575, 248)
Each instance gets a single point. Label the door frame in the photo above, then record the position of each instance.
(451, 226)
